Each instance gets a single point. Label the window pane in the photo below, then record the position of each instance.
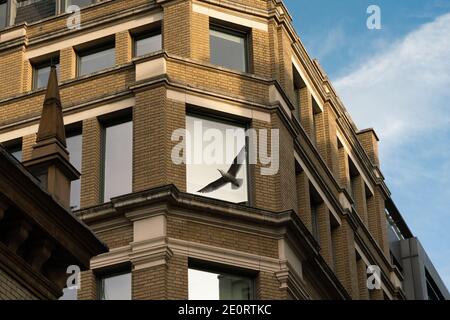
(203, 285)
(3, 13)
(116, 287)
(118, 160)
(94, 62)
(74, 145)
(42, 74)
(148, 45)
(228, 50)
(80, 3)
(206, 156)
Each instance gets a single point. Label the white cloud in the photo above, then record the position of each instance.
(404, 90)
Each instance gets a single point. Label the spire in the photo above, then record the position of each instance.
(52, 124)
(50, 158)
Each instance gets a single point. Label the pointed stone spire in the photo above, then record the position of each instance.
(50, 158)
(52, 124)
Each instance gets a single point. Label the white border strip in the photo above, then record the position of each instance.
(73, 118)
(310, 87)
(207, 10)
(98, 34)
(217, 105)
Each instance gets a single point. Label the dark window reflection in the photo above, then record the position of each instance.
(147, 44)
(74, 145)
(228, 49)
(93, 61)
(118, 156)
(42, 72)
(117, 287)
(3, 13)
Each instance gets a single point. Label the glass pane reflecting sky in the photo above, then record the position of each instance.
(118, 160)
(42, 75)
(199, 175)
(148, 45)
(228, 50)
(74, 145)
(117, 287)
(97, 61)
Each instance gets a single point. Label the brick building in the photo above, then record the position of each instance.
(138, 70)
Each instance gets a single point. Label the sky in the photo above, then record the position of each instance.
(397, 81)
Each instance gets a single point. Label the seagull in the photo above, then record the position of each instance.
(228, 177)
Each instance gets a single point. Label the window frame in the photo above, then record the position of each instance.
(235, 30)
(216, 268)
(193, 111)
(13, 146)
(44, 63)
(110, 120)
(93, 49)
(64, 5)
(73, 130)
(141, 35)
(110, 273)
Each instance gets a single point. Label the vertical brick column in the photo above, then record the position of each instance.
(268, 287)
(285, 63)
(12, 68)
(68, 61)
(325, 241)
(177, 278)
(88, 286)
(359, 196)
(306, 112)
(177, 28)
(91, 164)
(377, 220)
(376, 294)
(344, 175)
(123, 47)
(27, 76)
(149, 283)
(199, 33)
(260, 53)
(27, 146)
(345, 258)
(303, 198)
(369, 142)
(331, 156)
(274, 51)
(362, 280)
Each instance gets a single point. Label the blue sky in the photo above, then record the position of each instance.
(397, 81)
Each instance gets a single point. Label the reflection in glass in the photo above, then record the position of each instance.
(205, 159)
(116, 287)
(79, 3)
(147, 44)
(96, 61)
(203, 285)
(42, 73)
(3, 13)
(228, 49)
(118, 156)
(74, 145)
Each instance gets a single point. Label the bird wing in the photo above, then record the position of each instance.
(213, 186)
(237, 163)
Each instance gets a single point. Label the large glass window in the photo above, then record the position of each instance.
(216, 159)
(147, 43)
(117, 162)
(74, 145)
(3, 13)
(228, 48)
(15, 148)
(41, 72)
(210, 285)
(91, 61)
(115, 287)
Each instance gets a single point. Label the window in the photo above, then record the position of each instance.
(221, 151)
(299, 85)
(148, 42)
(41, 72)
(315, 203)
(3, 13)
(228, 48)
(115, 287)
(317, 117)
(74, 145)
(79, 3)
(15, 148)
(93, 60)
(117, 158)
(216, 285)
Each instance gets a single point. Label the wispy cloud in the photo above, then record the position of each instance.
(404, 93)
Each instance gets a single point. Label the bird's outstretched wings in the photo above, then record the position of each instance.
(213, 186)
(237, 163)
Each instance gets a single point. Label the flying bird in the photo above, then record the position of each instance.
(229, 176)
